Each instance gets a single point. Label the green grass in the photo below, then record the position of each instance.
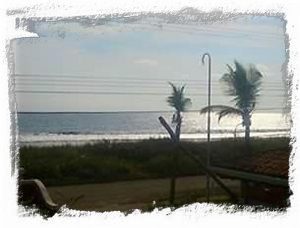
(109, 162)
(128, 195)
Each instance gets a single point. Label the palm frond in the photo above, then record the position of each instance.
(243, 84)
(230, 111)
(254, 76)
(215, 108)
(173, 87)
(222, 110)
(177, 99)
(182, 89)
(186, 102)
(255, 79)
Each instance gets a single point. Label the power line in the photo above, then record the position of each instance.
(191, 91)
(136, 80)
(98, 92)
(134, 86)
(85, 76)
(205, 32)
(199, 27)
(113, 93)
(88, 75)
(121, 85)
(107, 79)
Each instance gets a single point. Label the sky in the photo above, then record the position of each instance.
(127, 66)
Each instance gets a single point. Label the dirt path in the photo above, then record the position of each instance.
(127, 195)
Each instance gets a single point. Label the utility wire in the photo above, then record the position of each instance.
(203, 32)
(215, 28)
(191, 91)
(131, 84)
(93, 77)
(127, 82)
(113, 93)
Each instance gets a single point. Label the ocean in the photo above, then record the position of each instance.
(79, 128)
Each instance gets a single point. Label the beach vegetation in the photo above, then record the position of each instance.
(244, 85)
(148, 159)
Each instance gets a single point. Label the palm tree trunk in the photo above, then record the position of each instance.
(172, 190)
(174, 174)
(175, 160)
(174, 157)
(178, 126)
(247, 135)
(247, 122)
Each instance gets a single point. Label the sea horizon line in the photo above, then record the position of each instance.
(124, 111)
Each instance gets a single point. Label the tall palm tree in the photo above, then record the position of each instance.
(178, 101)
(244, 86)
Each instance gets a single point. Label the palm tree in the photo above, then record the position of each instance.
(178, 101)
(244, 85)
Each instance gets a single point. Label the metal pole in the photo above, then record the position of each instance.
(208, 123)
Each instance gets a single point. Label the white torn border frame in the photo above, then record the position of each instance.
(195, 215)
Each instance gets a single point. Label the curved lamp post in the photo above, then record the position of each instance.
(208, 122)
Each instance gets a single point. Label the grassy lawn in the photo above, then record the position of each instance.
(140, 194)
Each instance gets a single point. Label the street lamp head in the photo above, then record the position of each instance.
(203, 57)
